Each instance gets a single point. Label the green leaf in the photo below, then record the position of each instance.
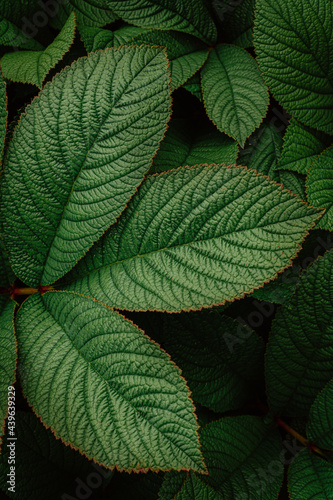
(44, 467)
(88, 13)
(297, 62)
(243, 458)
(262, 152)
(193, 85)
(179, 15)
(281, 289)
(187, 142)
(301, 147)
(172, 483)
(310, 477)
(221, 359)
(103, 386)
(235, 95)
(98, 39)
(195, 489)
(13, 36)
(299, 359)
(3, 115)
(319, 185)
(19, 10)
(320, 424)
(95, 127)
(188, 229)
(32, 67)
(7, 364)
(236, 19)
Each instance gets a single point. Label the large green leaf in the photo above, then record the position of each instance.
(188, 142)
(236, 19)
(98, 38)
(3, 114)
(301, 146)
(319, 187)
(88, 12)
(296, 57)
(320, 424)
(32, 67)
(13, 36)
(103, 386)
(299, 360)
(243, 458)
(45, 468)
(310, 478)
(235, 95)
(192, 238)
(7, 365)
(78, 154)
(180, 15)
(221, 359)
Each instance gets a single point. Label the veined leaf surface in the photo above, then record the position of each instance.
(99, 39)
(88, 13)
(78, 154)
(103, 386)
(236, 21)
(235, 95)
(296, 57)
(13, 36)
(31, 66)
(192, 238)
(180, 15)
(310, 477)
(320, 424)
(319, 187)
(194, 488)
(299, 359)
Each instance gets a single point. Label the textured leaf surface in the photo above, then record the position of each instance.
(301, 147)
(187, 142)
(45, 468)
(195, 489)
(235, 95)
(299, 360)
(8, 359)
(3, 115)
(320, 424)
(221, 359)
(242, 455)
(179, 15)
(78, 155)
(98, 39)
(32, 67)
(319, 187)
(88, 12)
(13, 36)
(202, 235)
(310, 477)
(236, 21)
(18, 10)
(281, 289)
(172, 484)
(296, 57)
(103, 386)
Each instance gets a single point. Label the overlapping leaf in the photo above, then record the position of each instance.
(296, 57)
(221, 359)
(319, 187)
(237, 21)
(192, 238)
(310, 477)
(243, 458)
(299, 360)
(179, 15)
(235, 95)
(78, 154)
(98, 38)
(187, 142)
(88, 12)
(194, 488)
(32, 67)
(320, 424)
(19, 10)
(193, 85)
(103, 386)
(44, 467)
(301, 146)
(13, 36)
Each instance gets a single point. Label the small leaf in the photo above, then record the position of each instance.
(310, 477)
(243, 458)
(88, 13)
(193, 85)
(319, 185)
(187, 142)
(13, 36)
(299, 359)
(297, 62)
(181, 15)
(98, 39)
(32, 67)
(7, 365)
(3, 115)
(281, 289)
(202, 235)
(235, 95)
(301, 147)
(44, 467)
(103, 386)
(195, 489)
(78, 154)
(320, 423)
(236, 21)
(172, 483)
